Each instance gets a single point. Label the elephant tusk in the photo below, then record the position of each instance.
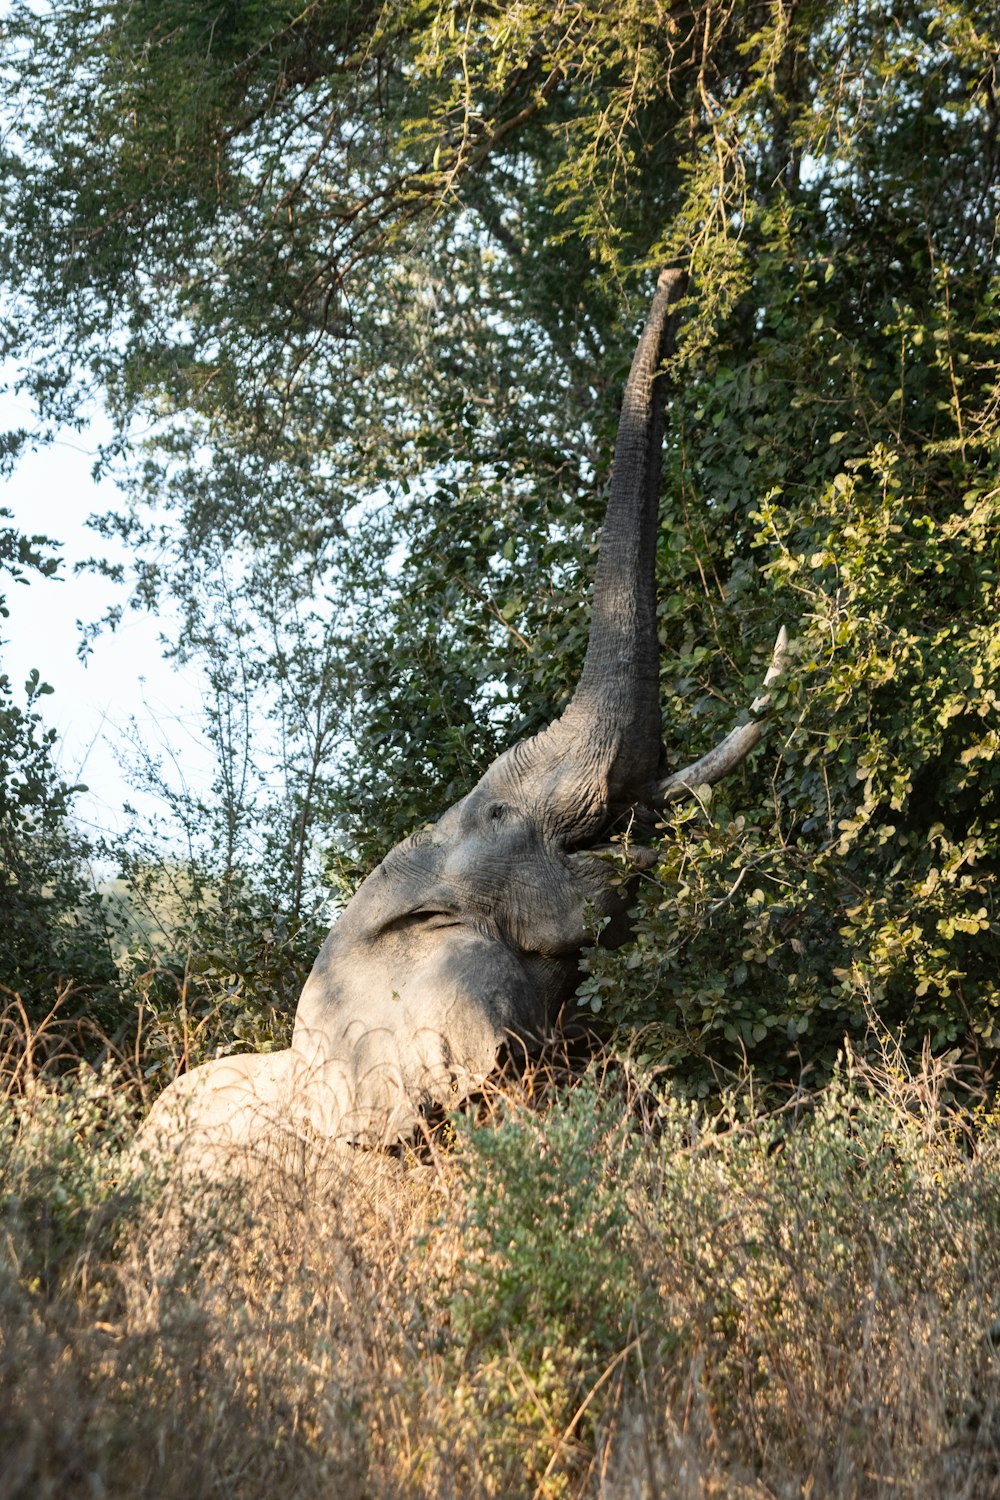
(736, 746)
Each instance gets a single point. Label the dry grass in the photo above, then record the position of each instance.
(592, 1291)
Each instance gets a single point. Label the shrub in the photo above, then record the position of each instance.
(599, 1291)
(542, 1304)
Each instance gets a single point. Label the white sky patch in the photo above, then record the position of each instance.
(52, 492)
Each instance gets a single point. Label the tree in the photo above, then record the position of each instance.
(370, 273)
(52, 933)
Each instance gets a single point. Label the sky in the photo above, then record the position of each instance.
(125, 680)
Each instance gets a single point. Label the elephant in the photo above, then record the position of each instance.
(466, 939)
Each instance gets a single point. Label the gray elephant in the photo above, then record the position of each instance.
(467, 936)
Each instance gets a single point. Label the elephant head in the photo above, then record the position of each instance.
(468, 934)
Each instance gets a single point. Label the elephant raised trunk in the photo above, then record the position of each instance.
(617, 702)
(601, 756)
(468, 934)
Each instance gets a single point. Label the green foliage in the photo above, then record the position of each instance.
(725, 1273)
(61, 1146)
(861, 872)
(52, 929)
(544, 1301)
(367, 279)
(210, 968)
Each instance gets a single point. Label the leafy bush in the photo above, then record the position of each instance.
(599, 1291)
(52, 929)
(542, 1301)
(207, 979)
(61, 1143)
(853, 867)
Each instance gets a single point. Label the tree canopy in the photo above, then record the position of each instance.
(359, 284)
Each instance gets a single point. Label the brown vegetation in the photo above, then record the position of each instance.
(592, 1290)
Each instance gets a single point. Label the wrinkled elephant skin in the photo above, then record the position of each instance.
(468, 934)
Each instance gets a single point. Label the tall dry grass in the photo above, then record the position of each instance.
(593, 1289)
